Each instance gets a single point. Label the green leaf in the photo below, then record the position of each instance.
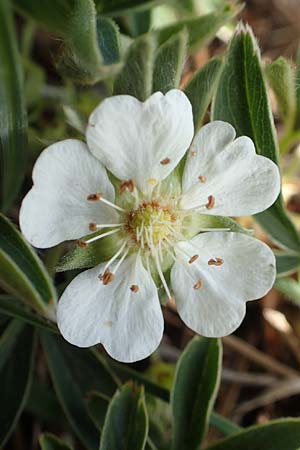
(43, 403)
(169, 62)
(91, 255)
(281, 78)
(75, 21)
(201, 88)
(202, 29)
(286, 262)
(290, 288)
(109, 40)
(242, 100)
(138, 22)
(16, 367)
(276, 435)
(13, 123)
(125, 373)
(15, 308)
(97, 405)
(223, 425)
(21, 271)
(50, 442)
(136, 77)
(115, 7)
(194, 391)
(126, 422)
(76, 372)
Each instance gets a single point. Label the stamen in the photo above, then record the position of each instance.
(193, 153)
(193, 259)
(95, 238)
(134, 288)
(120, 261)
(165, 161)
(129, 185)
(161, 276)
(202, 178)
(198, 284)
(95, 226)
(211, 202)
(215, 262)
(108, 323)
(115, 255)
(106, 277)
(81, 243)
(99, 197)
(94, 197)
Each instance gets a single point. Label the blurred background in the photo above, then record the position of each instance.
(260, 378)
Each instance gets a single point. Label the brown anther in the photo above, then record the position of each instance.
(211, 202)
(93, 226)
(81, 243)
(108, 323)
(215, 262)
(193, 153)
(198, 284)
(134, 288)
(165, 161)
(202, 178)
(129, 184)
(94, 197)
(193, 259)
(106, 277)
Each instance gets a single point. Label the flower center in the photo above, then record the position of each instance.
(150, 224)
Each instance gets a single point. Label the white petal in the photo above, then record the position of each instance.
(132, 138)
(129, 324)
(241, 182)
(218, 306)
(210, 140)
(56, 208)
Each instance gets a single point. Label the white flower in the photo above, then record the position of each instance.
(155, 223)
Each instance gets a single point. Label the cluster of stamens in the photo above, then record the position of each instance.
(152, 228)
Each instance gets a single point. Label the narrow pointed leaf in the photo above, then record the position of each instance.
(169, 63)
(12, 307)
(84, 257)
(194, 391)
(75, 373)
(13, 119)
(97, 405)
(136, 77)
(201, 88)
(16, 367)
(242, 100)
(125, 373)
(200, 29)
(281, 78)
(75, 21)
(275, 435)
(109, 40)
(115, 7)
(286, 262)
(21, 271)
(126, 423)
(139, 22)
(289, 287)
(50, 442)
